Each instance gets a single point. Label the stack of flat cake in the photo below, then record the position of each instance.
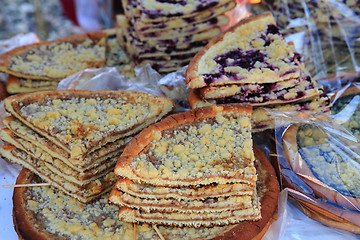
(194, 168)
(167, 34)
(41, 66)
(73, 138)
(251, 63)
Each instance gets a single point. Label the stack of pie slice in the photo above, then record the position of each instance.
(73, 138)
(41, 66)
(167, 34)
(251, 63)
(194, 168)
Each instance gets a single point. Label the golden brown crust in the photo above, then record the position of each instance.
(6, 57)
(195, 100)
(25, 227)
(163, 105)
(14, 85)
(268, 193)
(24, 220)
(255, 230)
(139, 142)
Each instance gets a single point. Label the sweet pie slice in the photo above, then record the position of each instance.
(253, 51)
(81, 121)
(57, 59)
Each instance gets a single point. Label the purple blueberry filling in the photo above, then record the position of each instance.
(175, 57)
(253, 97)
(204, 5)
(272, 29)
(181, 2)
(243, 59)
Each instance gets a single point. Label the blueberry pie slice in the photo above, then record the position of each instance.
(250, 52)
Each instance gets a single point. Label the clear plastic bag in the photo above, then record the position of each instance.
(147, 80)
(326, 33)
(319, 160)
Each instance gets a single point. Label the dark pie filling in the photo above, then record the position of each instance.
(254, 97)
(204, 5)
(243, 59)
(247, 59)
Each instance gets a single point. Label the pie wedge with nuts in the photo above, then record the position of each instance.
(81, 121)
(201, 146)
(192, 162)
(73, 138)
(57, 59)
(34, 210)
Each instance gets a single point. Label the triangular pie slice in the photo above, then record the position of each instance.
(84, 194)
(44, 213)
(192, 148)
(182, 193)
(179, 219)
(44, 146)
(205, 16)
(261, 119)
(22, 85)
(160, 11)
(252, 51)
(170, 205)
(81, 121)
(190, 28)
(57, 59)
(287, 91)
(179, 32)
(81, 178)
(267, 193)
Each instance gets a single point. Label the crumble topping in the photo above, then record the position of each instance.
(221, 144)
(59, 60)
(65, 217)
(80, 121)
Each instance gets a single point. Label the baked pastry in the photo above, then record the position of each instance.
(39, 144)
(263, 94)
(207, 219)
(186, 30)
(168, 37)
(252, 51)
(156, 157)
(44, 213)
(332, 175)
(57, 59)
(83, 194)
(261, 119)
(73, 138)
(181, 22)
(155, 11)
(21, 85)
(181, 193)
(205, 153)
(59, 115)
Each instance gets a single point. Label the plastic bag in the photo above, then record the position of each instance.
(147, 80)
(319, 160)
(326, 33)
